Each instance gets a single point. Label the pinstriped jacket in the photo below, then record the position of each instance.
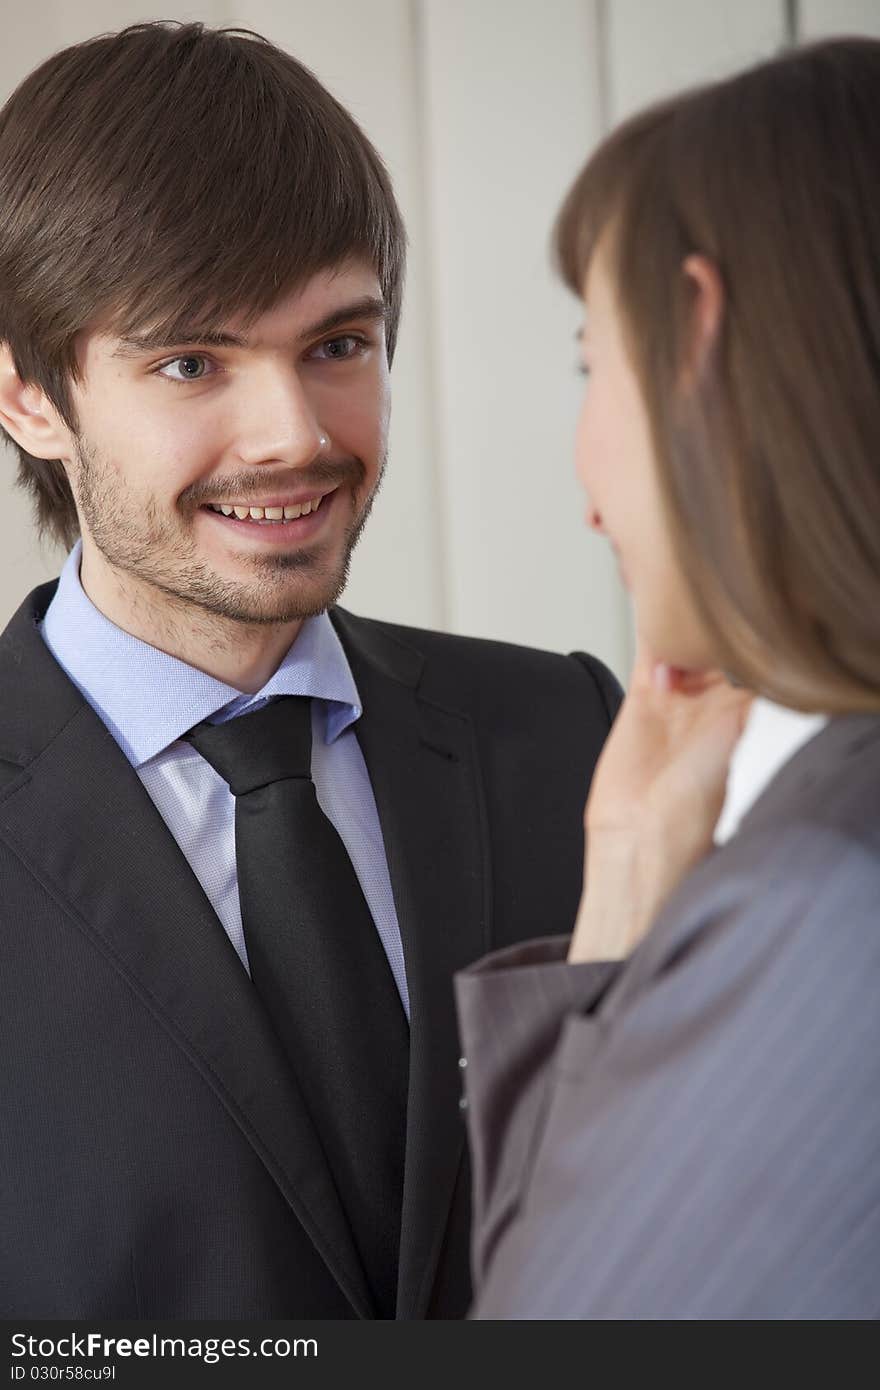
(695, 1133)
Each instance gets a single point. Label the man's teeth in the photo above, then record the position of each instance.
(267, 513)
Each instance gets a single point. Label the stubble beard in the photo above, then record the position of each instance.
(137, 542)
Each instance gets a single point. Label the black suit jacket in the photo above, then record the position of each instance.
(156, 1159)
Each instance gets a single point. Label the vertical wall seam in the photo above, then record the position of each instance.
(604, 68)
(791, 23)
(435, 426)
(601, 28)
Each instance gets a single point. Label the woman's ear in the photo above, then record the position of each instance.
(706, 311)
(27, 414)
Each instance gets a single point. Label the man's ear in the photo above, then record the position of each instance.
(27, 414)
(706, 311)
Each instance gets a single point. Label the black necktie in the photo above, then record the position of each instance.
(320, 969)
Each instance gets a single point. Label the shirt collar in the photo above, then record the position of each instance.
(147, 699)
(772, 735)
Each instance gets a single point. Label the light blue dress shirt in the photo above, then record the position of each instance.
(148, 699)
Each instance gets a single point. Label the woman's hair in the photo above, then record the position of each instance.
(769, 464)
(172, 175)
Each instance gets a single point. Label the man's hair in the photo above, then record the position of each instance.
(769, 466)
(172, 175)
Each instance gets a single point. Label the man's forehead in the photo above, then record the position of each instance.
(326, 292)
(326, 300)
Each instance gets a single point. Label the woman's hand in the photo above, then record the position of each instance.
(656, 796)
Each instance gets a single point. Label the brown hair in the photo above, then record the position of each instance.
(167, 174)
(769, 466)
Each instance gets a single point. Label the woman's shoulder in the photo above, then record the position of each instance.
(801, 878)
(830, 789)
(814, 829)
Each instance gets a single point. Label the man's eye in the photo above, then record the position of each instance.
(337, 349)
(189, 368)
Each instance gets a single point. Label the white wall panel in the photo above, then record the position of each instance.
(653, 49)
(824, 18)
(511, 112)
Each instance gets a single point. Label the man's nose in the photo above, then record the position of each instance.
(278, 422)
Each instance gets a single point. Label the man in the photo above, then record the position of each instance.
(246, 838)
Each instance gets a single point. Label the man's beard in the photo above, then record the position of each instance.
(133, 538)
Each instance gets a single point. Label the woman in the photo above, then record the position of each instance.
(677, 1113)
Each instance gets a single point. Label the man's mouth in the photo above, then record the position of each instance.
(272, 512)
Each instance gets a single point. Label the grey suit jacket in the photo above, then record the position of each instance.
(696, 1133)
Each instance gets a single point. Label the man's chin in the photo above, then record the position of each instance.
(280, 616)
(284, 593)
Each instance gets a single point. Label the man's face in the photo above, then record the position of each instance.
(175, 441)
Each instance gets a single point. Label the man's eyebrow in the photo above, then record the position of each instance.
(368, 307)
(134, 344)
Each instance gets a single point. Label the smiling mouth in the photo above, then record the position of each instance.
(270, 514)
(278, 512)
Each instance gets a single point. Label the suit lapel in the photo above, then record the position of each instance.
(423, 768)
(844, 739)
(77, 808)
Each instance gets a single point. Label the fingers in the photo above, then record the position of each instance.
(649, 673)
(695, 682)
(642, 677)
(664, 677)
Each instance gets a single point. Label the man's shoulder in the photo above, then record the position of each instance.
(457, 666)
(36, 695)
